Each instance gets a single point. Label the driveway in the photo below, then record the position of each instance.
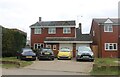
(62, 66)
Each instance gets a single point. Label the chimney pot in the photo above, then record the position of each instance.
(40, 18)
(79, 25)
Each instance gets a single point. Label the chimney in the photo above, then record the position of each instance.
(80, 28)
(40, 19)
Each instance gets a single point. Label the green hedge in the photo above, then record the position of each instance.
(12, 41)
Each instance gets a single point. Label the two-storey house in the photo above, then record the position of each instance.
(106, 35)
(58, 34)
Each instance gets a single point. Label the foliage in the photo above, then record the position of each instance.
(105, 66)
(12, 41)
(14, 59)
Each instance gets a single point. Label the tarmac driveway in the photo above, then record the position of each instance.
(62, 65)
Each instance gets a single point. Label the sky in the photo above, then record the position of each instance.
(21, 14)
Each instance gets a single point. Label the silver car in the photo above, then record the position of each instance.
(84, 53)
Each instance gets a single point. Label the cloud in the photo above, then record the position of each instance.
(23, 13)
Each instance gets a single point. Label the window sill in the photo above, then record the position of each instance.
(111, 50)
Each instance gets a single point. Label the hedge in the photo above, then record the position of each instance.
(12, 41)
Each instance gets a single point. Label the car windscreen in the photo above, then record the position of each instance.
(28, 53)
(64, 50)
(84, 49)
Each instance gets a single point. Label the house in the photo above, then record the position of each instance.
(58, 34)
(106, 36)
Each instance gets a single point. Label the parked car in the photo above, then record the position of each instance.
(64, 53)
(45, 53)
(84, 53)
(26, 54)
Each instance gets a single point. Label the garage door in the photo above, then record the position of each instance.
(66, 45)
(78, 45)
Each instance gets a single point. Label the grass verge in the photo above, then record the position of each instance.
(12, 65)
(106, 66)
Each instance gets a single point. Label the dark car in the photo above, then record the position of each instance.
(84, 53)
(45, 53)
(26, 54)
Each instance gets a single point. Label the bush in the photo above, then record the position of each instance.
(12, 41)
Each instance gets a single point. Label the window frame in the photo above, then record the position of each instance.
(108, 45)
(37, 31)
(54, 47)
(66, 30)
(107, 28)
(48, 46)
(38, 44)
(51, 30)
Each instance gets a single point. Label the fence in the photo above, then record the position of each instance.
(95, 50)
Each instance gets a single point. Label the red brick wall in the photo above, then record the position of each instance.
(109, 37)
(102, 37)
(39, 38)
(96, 39)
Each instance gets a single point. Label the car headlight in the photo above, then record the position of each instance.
(92, 54)
(79, 53)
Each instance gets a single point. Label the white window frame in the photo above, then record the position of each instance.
(54, 47)
(108, 28)
(108, 45)
(38, 44)
(51, 30)
(37, 30)
(66, 30)
(48, 46)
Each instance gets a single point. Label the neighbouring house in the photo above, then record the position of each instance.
(58, 34)
(106, 36)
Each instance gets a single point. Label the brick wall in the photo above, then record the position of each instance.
(39, 38)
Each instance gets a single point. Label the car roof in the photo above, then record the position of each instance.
(26, 48)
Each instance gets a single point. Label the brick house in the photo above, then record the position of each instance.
(106, 35)
(58, 34)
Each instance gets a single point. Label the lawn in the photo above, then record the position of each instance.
(106, 66)
(14, 59)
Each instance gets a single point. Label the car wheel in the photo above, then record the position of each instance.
(77, 59)
(92, 60)
(39, 59)
(52, 58)
(58, 58)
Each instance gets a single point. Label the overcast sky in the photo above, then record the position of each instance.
(23, 13)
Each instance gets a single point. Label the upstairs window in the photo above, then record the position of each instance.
(51, 30)
(66, 30)
(37, 31)
(108, 28)
(110, 46)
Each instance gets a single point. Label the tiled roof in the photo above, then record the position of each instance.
(54, 23)
(59, 39)
(102, 20)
